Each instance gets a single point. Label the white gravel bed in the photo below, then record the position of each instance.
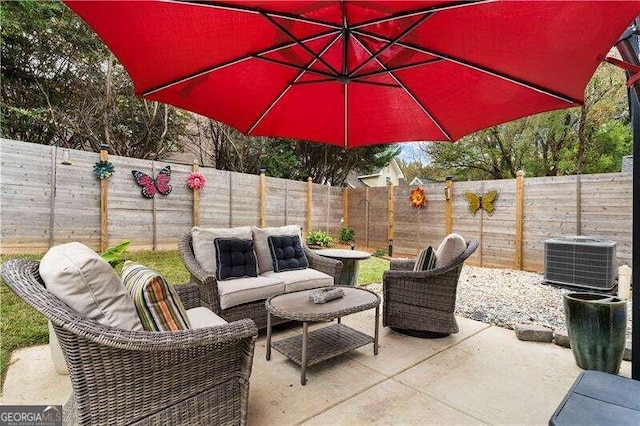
(506, 297)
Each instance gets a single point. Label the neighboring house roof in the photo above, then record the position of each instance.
(358, 180)
(421, 181)
(352, 181)
(393, 163)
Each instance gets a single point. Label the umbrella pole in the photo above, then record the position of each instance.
(629, 53)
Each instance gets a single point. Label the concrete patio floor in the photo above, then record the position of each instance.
(482, 374)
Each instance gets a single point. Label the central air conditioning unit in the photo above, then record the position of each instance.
(580, 262)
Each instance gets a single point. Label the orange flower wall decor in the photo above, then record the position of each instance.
(418, 197)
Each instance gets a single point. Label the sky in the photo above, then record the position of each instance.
(409, 151)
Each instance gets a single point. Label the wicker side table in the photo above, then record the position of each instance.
(325, 343)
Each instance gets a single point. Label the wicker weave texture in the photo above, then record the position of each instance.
(424, 300)
(323, 344)
(256, 311)
(119, 376)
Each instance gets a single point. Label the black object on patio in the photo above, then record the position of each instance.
(598, 398)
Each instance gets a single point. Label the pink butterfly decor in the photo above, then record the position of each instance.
(150, 185)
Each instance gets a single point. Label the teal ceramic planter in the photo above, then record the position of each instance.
(597, 326)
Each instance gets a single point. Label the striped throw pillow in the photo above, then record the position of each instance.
(426, 260)
(159, 306)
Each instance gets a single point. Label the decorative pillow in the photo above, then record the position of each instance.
(287, 253)
(261, 243)
(450, 248)
(426, 260)
(203, 248)
(83, 280)
(235, 258)
(159, 306)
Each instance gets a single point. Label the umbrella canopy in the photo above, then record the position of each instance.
(353, 73)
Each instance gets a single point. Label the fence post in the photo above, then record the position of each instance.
(519, 215)
(309, 203)
(52, 197)
(448, 205)
(196, 198)
(154, 215)
(390, 216)
(263, 198)
(104, 221)
(345, 207)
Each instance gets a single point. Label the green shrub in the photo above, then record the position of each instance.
(319, 238)
(379, 253)
(347, 235)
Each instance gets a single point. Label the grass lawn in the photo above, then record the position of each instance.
(22, 326)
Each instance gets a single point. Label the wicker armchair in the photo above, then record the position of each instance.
(422, 303)
(208, 285)
(198, 376)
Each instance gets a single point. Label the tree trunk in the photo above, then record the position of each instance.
(582, 139)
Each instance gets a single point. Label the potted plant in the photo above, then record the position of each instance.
(597, 328)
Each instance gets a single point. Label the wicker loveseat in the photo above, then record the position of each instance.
(422, 303)
(209, 290)
(196, 376)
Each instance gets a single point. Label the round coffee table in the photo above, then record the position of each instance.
(327, 342)
(349, 259)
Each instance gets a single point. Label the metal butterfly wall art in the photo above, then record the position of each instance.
(150, 185)
(484, 201)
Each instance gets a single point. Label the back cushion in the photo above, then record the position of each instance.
(287, 253)
(235, 258)
(83, 280)
(203, 247)
(452, 246)
(261, 243)
(157, 302)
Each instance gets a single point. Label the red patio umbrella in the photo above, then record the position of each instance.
(355, 73)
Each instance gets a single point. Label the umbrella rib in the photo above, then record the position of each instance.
(376, 83)
(476, 67)
(398, 68)
(410, 94)
(233, 7)
(390, 43)
(289, 86)
(345, 33)
(324, 80)
(298, 67)
(432, 9)
(299, 42)
(231, 62)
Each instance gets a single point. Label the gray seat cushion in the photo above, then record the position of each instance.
(202, 317)
(301, 279)
(244, 290)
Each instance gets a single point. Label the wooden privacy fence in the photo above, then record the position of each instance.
(527, 212)
(50, 196)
